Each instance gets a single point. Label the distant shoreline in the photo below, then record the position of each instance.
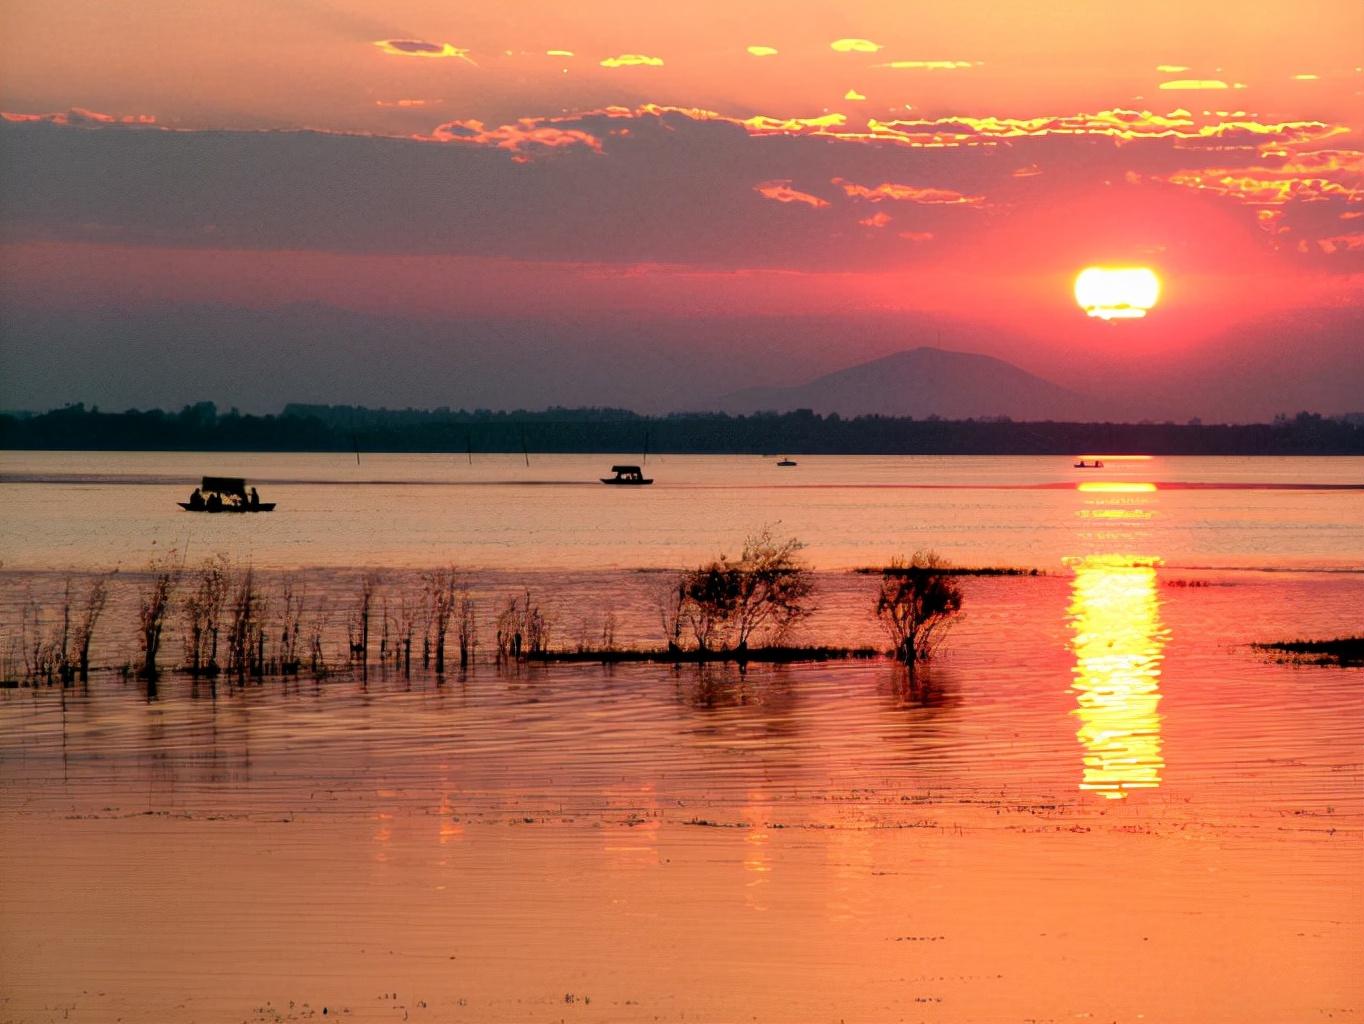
(613, 431)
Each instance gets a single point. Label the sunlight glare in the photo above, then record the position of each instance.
(1117, 293)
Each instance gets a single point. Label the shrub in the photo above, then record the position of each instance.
(916, 604)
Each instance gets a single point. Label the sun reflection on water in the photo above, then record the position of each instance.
(1118, 644)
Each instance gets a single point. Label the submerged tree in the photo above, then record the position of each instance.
(772, 589)
(916, 604)
(765, 591)
(153, 605)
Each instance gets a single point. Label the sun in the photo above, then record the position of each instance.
(1117, 293)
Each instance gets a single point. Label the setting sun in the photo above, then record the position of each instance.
(1117, 293)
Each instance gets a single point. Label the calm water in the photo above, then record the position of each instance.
(1099, 804)
(97, 510)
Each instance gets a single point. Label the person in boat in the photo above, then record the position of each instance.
(196, 500)
(255, 498)
(215, 502)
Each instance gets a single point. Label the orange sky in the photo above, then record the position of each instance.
(703, 159)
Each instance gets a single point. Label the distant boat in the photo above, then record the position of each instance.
(225, 494)
(788, 461)
(630, 476)
(1096, 464)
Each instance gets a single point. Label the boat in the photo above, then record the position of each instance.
(630, 476)
(225, 494)
(788, 461)
(1096, 464)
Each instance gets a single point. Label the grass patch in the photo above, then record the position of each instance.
(1345, 651)
(950, 570)
(778, 655)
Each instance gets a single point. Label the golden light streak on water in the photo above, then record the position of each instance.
(1115, 487)
(1118, 644)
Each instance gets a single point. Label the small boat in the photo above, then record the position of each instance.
(225, 494)
(630, 476)
(1096, 464)
(788, 461)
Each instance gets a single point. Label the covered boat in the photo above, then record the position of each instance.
(628, 475)
(225, 494)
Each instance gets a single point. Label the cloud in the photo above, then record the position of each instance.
(762, 51)
(854, 46)
(421, 48)
(404, 103)
(928, 65)
(907, 194)
(1172, 69)
(558, 53)
(1308, 177)
(879, 219)
(653, 183)
(632, 60)
(522, 138)
(853, 94)
(782, 192)
(1198, 84)
(79, 116)
(916, 236)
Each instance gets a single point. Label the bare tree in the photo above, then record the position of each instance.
(154, 603)
(710, 594)
(523, 629)
(764, 592)
(772, 588)
(245, 635)
(291, 626)
(442, 595)
(916, 604)
(468, 628)
(670, 600)
(95, 599)
(201, 616)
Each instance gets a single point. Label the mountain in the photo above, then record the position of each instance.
(923, 382)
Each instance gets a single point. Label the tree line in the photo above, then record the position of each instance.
(202, 427)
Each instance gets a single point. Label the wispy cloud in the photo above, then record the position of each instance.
(907, 194)
(853, 94)
(422, 48)
(928, 65)
(781, 191)
(78, 116)
(1307, 177)
(762, 51)
(522, 139)
(632, 60)
(1200, 84)
(854, 46)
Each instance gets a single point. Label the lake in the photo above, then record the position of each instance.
(1100, 802)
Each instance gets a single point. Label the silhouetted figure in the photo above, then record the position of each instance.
(255, 498)
(215, 502)
(196, 500)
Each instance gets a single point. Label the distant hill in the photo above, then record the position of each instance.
(922, 382)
